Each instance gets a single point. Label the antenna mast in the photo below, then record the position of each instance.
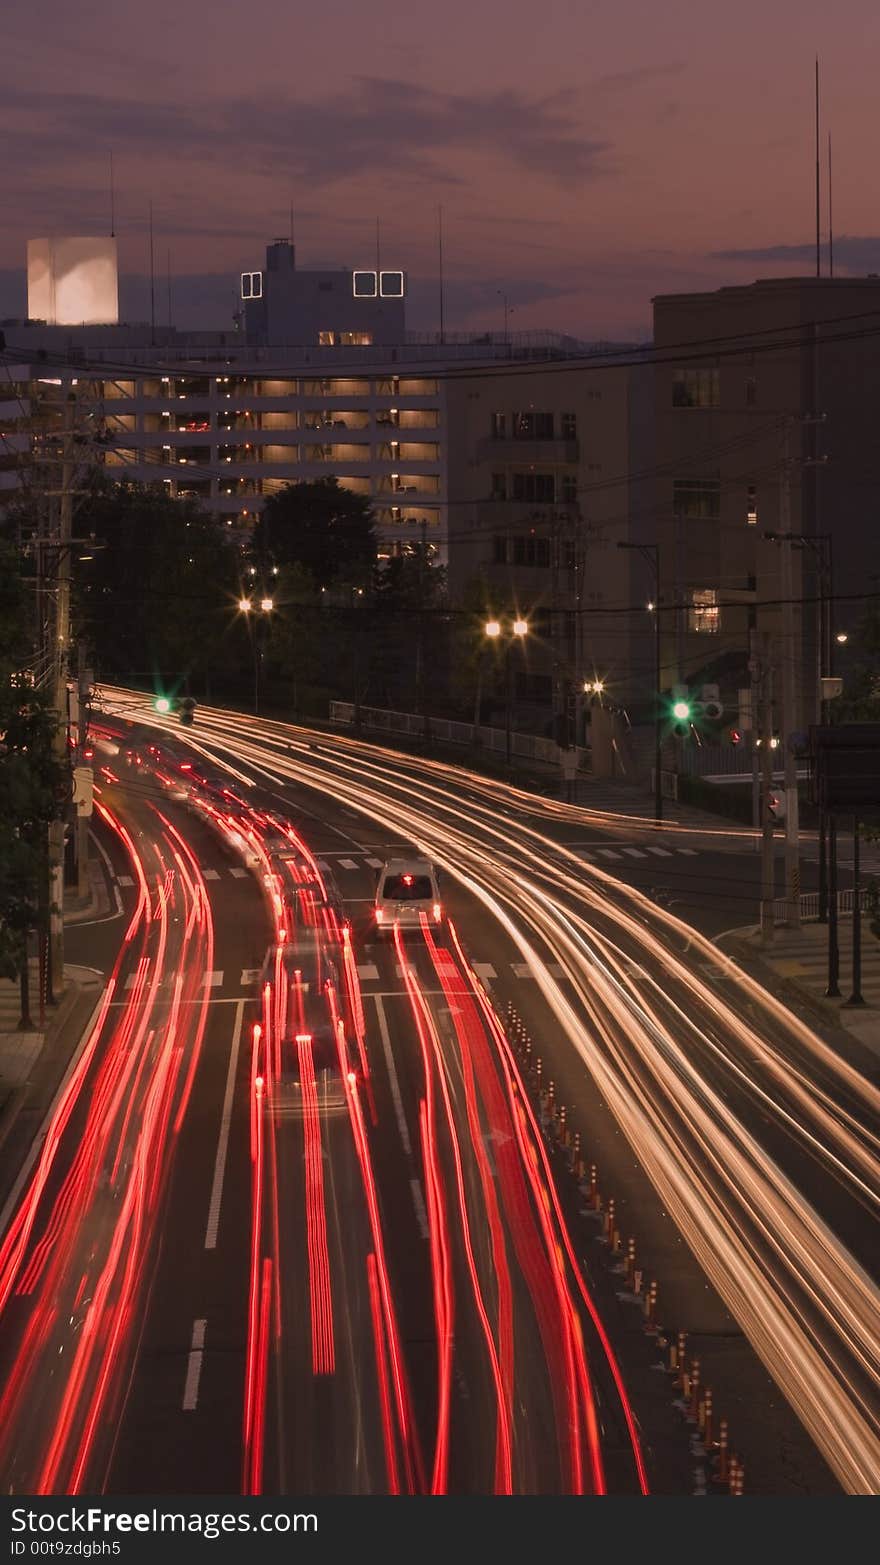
(830, 215)
(112, 202)
(440, 256)
(818, 253)
(152, 284)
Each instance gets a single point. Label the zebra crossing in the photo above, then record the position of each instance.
(594, 852)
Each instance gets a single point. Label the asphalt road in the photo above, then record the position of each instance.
(702, 1108)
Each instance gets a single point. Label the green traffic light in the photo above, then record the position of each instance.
(162, 704)
(681, 711)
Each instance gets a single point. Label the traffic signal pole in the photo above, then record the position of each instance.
(765, 730)
(789, 696)
(61, 652)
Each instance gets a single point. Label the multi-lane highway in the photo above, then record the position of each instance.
(322, 1173)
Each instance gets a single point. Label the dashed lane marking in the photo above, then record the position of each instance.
(210, 874)
(348, 863)
(368, 972)
(662, 853)
(238, 873)
(213, 980)
(691, 852)
(484, 970)
(250, 975)
(634, 853)
(375, 863)
(125, 880)
(608, 853)
(194, 1367)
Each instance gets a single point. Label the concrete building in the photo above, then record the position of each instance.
(766, 406)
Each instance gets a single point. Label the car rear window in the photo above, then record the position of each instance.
(408, 888)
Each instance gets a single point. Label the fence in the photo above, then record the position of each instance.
(810, 904)
(526, 747)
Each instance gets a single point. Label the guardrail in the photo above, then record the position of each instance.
(810, 904)
(527, 747)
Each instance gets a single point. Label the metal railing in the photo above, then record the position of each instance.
(810, 904)
(528, 747)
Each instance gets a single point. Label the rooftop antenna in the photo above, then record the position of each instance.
(440, 258)
(168, 273)
(830, 216)
(112, 202)
(152, 284)
(378, 249)
(291, 225)
(818, 252)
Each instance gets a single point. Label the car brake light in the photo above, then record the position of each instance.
(438, 912)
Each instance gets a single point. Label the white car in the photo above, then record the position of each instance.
(407, 889)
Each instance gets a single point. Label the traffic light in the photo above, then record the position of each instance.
(162, 704)
(682, 715)
(734, 736)
(186, 707)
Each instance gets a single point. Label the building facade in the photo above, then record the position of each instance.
(766, 406)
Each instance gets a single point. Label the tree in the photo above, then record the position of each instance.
(158, 597)
(30, 781)
(321, 526)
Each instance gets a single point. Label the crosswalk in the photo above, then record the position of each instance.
(590, 852)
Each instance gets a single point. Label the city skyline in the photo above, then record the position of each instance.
(579, 191)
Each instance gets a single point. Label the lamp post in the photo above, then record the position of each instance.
(264, 608)
(651, 552)
(519, 629)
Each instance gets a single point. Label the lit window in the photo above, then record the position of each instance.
(704, 615)
(699, 388)
(391, 285)
(697, 497)
(365, 285)
(752, 506)
(568, 426)
(252, 285)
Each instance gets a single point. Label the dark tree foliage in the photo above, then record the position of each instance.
(30, 777)
(322, 527)
(158, 597)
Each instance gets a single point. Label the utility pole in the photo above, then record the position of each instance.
(765, 730)
(789, 694)
(61, 651)
(84, 690)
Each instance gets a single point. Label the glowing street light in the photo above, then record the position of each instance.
(520, 627)
(267, 605)
(493, 628)
(245, 605)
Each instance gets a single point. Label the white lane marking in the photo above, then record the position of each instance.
(662, 853)
(419, 1204)
(238, 873)
(368, 972)
(484, 969)
(583, 853)
(125, 880)
(375, 863)
(348, 863)
(522, 970)
(213, 980)
(608, 853)
(634, 853)
(392, 1074)
(194, 1367)
(223, 1141)
(210, 874)
(323, 866)
(249, 975)
(691, 852)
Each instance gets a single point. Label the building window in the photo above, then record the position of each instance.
(569, 426)
(569, 488)
(499, 486)
(704, 615)
(532, 426)
(499, 546)
(345, 339)
(534, 486)
(697, 497)
(533, 551)
(252, 285)
(696, 388)
(751, 391)
(752, 506)
(499, 426)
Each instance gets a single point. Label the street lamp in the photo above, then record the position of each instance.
(264, 609)
(519, 629)
(651, 552)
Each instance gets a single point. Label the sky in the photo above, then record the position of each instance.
(586, 154)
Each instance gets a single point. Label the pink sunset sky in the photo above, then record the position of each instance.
(586, 154)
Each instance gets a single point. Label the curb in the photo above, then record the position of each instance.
(824, 1008)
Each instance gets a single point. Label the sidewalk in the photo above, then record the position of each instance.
(800, 958)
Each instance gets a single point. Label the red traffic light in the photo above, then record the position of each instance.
(734, 736)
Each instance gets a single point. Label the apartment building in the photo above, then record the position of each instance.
(766, 401)
(542, 486)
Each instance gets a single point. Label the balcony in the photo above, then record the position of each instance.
(529, 453)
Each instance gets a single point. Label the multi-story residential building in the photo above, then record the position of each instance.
(542, 468)
(766, 406)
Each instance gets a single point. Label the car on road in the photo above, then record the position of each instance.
(407, 890)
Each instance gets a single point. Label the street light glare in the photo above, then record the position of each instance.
(267, 605)
(842, 637)
(681, 711)
(520, 627)
(493, 627)
(244, 605)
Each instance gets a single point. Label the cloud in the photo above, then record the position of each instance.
(377, 126)
(855, 255)
(639, 75)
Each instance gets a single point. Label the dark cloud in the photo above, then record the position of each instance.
(377, 126)
(852, 254)
(639, 75)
